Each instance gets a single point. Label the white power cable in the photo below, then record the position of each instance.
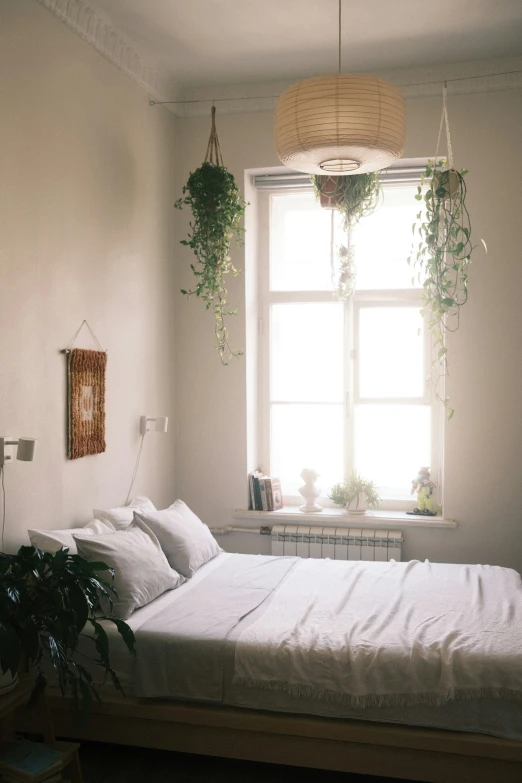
(135, 469)
(3, 504)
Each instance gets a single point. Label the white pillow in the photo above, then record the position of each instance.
(141, 570)
(186, 541)
(53, 540)
(122, 516)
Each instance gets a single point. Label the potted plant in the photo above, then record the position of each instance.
(46, 602)
(442, 258)
(356, 494)
(217, 208)
(353, 195)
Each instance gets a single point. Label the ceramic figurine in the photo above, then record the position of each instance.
(310, 492)
(423, 486)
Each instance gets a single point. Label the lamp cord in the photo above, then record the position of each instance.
(340, 2)
(3, 504)
(135, 469)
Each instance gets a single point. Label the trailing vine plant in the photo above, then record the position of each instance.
(354, 196)
(442, 258)
(443, 253)
(217, 207)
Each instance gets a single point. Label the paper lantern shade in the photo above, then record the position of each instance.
(340, 124)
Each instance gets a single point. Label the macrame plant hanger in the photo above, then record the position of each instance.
(444, 121)
(213, 155)
(83, 323)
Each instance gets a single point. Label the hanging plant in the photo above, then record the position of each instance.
(443, 254)
(217, 208)
(354, 196)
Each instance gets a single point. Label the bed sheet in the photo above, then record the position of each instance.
(498, 717)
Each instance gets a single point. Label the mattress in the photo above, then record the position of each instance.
(495, 716)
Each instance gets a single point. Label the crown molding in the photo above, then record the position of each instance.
(96, 28)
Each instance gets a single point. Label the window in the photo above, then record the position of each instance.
(343, 382)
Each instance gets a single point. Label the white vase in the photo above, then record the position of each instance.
(360, 509)
(8, 682)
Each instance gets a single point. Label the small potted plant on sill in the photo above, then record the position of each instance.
(46, 602)
(356, 494)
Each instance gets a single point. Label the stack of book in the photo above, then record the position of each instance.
(265, 492)
(31, 761)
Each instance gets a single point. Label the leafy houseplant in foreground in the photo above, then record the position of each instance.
(46, 602)
(217, 208)
(354, 196)
(442, 257)
(357, 490)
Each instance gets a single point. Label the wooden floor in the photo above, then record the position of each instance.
(117, 764)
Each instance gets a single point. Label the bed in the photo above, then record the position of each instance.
(410, 670)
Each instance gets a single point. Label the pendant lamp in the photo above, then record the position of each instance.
(340, 124)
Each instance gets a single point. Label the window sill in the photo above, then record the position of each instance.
(338, 517)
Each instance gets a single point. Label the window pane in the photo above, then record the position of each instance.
(391, 352)
(300, 246)
(307, 352)
(383, 241)
(391, 443)
(306, 436)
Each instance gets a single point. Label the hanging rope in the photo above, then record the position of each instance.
(444, 121)
(213, 155)
(83, 323)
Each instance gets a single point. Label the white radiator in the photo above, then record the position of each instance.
(337, 543)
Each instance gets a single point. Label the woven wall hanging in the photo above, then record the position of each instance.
(86, 392)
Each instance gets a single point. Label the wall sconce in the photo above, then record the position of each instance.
(147, 424)
(24, 452)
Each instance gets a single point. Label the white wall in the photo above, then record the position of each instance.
(86, 195)
(483, 487)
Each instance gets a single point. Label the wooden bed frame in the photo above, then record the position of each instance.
(389, 750)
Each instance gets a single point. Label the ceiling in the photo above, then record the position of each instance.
(210, 42)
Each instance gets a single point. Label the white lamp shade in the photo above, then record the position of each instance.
(162, 422)
(340, 124)
(25, 450)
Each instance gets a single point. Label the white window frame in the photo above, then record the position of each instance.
(360, 299)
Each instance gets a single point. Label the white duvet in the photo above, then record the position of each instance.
(372, 634)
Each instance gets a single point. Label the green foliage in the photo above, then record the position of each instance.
(217, 208)
(357, 195)
(353, 488)
(46, 601)
(442, 258)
